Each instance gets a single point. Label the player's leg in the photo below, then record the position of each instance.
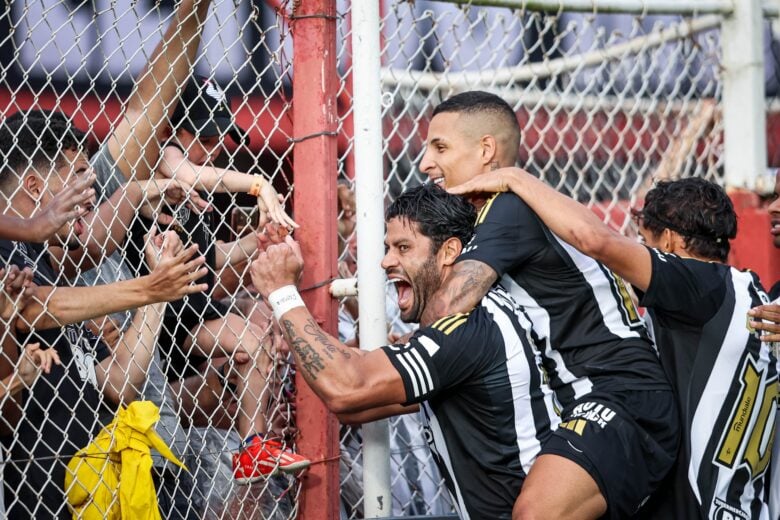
(559, 488)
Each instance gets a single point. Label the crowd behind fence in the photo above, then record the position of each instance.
(187, 121)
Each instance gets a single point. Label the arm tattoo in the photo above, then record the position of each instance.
(320, 337)
(462, 290)
(310, 359)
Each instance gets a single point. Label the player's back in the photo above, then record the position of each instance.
(592, 335)
(726, 383)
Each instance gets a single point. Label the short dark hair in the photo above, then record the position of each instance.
(476, 102)
(35, 139)
(438, 214)
(699, 210)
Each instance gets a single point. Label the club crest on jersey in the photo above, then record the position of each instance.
(724, 511)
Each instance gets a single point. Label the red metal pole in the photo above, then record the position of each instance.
(315, 81)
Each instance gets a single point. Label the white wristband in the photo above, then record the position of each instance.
(284, 299)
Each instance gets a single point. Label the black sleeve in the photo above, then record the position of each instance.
(439, 357)
(506, 235)
(688, 290)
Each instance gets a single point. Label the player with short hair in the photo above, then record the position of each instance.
(476, 376)
(725, 378)
(618, 408)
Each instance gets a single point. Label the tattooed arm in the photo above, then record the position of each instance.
(468, 282)
(347, 380)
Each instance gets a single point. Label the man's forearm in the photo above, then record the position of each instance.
(126, 370)
(328, 366)
(463, 289)
(233, 253)
(53, 307)
(375, 414)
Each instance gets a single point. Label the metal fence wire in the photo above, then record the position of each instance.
(607, 104)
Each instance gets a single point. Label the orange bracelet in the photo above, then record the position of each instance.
(257, 184)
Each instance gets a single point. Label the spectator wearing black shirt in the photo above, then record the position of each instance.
(60, 410)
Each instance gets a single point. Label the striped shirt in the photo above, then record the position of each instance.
(593, 336)
(486, 406)
(726, 384)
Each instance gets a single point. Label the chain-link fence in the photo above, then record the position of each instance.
(607, 103)
(178, 107)
(188, 102)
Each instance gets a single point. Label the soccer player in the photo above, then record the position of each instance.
(476, 376)
(618, 408)
(725, 378)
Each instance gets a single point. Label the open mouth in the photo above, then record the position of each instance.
(775, 227)
(439, 181)
(78, 226)
(404, 291)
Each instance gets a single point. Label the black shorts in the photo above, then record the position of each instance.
(181, 318)
(627, 441)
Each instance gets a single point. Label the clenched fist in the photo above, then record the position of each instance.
(277, 266)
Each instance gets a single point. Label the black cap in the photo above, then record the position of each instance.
(204, 110)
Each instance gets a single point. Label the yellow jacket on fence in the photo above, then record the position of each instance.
(112, 477)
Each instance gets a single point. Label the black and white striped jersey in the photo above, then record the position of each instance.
(725, 380)
(593, 336)
(483, 395)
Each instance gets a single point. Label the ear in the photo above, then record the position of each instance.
(489, 150)
(33, 185)
(676, 243)
(450, 250)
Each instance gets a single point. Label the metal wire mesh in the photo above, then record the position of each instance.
(606, 103)
(208, 361)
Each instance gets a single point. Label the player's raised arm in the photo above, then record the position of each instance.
(571, 221)
(347, 380)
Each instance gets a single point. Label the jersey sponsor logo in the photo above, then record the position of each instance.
(751, 428)
(593, 412)
(724, 511)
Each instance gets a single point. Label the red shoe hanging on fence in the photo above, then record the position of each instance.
(260, 458)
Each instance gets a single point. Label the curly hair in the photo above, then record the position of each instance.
(439, 215)
(35, 139)
(696, 209)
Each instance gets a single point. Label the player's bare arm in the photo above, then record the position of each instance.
(571, 221)
(347, 381)
(468, 283)
(766, 318)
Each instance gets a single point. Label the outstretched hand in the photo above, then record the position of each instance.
(277, 266)
(270, 203)
(71, 203)
(16, 292)
(174, 269)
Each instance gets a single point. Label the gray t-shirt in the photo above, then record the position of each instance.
(113, 269)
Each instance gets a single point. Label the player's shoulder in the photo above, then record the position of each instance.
(503, 205)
